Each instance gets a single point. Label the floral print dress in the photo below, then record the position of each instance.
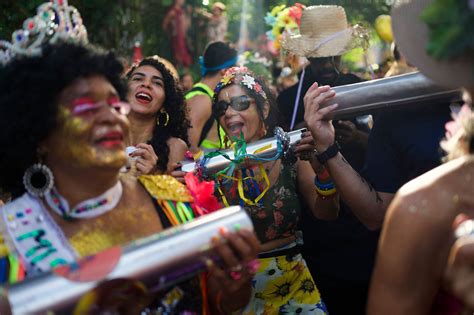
(283, 283)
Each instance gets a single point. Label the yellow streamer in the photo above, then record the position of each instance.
(224, 199)
(268, 146)
(267, 182)
(240, 186)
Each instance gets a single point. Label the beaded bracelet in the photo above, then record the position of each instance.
(323, 176)
(327, 185)
(324, 185)
(321, 186)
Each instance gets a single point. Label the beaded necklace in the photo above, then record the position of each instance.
(86, 209)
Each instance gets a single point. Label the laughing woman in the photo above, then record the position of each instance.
(283, 284)
(158, 121)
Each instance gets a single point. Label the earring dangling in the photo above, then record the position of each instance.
(38, 180)
(167, 118)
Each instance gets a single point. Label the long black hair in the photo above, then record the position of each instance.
(174, 105)
(29, 91)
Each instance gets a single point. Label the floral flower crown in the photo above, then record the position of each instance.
(241, 76)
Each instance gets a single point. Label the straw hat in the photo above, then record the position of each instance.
(324, 32)
(411, 35)
(219, 5)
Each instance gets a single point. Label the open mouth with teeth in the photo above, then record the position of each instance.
(235, 128)
(143, 98)
(111, 140)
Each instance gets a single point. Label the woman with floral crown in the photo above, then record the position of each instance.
(243, 106)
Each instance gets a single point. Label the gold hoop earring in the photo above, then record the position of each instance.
(167, 118)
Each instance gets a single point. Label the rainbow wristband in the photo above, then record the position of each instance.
(328, 185)
(326, 193)
(324, 190)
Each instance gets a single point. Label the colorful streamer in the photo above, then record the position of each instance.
(237, 175)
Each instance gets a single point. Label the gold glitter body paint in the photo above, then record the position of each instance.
(75, 146)
(134, 217)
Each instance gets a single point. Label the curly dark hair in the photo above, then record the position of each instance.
(272, 119)
(174, 105)
(29, 91)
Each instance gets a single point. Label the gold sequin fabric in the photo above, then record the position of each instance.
(165, 187)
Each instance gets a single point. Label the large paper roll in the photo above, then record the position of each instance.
(158, 262)
(265, 148)
(411, 89)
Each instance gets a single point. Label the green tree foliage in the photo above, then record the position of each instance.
(117, 24)
(13, 13)
(110, 23)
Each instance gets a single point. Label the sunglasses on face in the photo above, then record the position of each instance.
(86, 106)
(238, 103)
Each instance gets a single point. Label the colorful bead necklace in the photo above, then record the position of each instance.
(86, 209)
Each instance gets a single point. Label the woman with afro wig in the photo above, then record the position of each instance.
(62, 135)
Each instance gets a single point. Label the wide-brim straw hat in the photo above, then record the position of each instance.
(411, 36)
(324, 32)
(219, 5)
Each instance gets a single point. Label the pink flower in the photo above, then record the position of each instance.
(453, 126)
(278, 204)
(270, 234)
(278, 217)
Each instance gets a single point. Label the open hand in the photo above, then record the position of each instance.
(238, 252)
(322, 130)
(177, 173)
(145, 159)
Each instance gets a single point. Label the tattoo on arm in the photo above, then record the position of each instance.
(378, 199)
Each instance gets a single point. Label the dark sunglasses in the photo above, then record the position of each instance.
(238, 103)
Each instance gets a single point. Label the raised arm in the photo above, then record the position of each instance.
(366, 203)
